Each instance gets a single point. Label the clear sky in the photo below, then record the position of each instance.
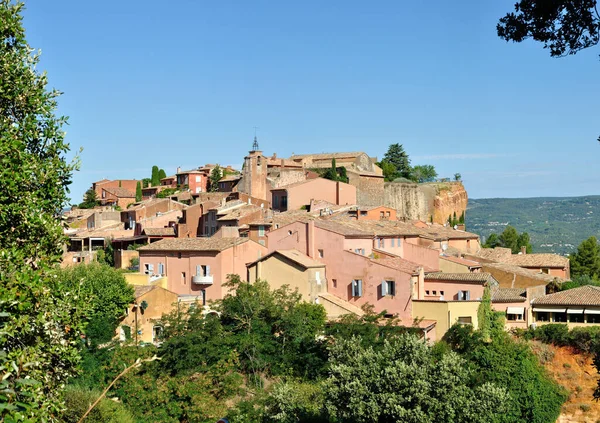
(184, 83)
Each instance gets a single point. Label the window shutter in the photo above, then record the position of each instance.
(353, 288)
(467, 295)
(207, 271)
(392, 288)
(384, 289)
(150, 267)
(161, 268)
(198, 270)
(359, 284)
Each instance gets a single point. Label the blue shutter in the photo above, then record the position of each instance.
(207, 270)
(198, 270)
(383, 288)
(468, 296)
(359, 285)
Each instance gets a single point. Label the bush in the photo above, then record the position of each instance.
(583, 339)
(78, 401)
(557, 334)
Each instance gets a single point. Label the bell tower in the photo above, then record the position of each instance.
(254, 173)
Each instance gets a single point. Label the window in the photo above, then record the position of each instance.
(514, 317)
(363, 213)
(442, 294)
(545, 270)
(284, 201)
(542, 316)
(156, 333)
(261, 230)
(382, 242)
(161, 268)
(426, 292)
(261, 242)
(464, 295)
(381, 215)
(466, 320)
(559, 317)
(388, 288)
(202, 270)
(357, 288)
(148, 269)
(183, 277)
(289, 232)
(576, 318)
(206, 230)
(198, 178)
(592, 318)
(320, 253)
(387, 214)
(334, 282)
(275, 201)
(434, 292)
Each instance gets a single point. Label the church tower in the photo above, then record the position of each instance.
(254, 174)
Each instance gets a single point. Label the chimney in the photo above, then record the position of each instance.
(310, 239)
(523, 249)
(178, 169)
(421, 284)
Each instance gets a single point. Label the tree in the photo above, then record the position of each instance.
(563, 26)
(524, 241)
(40, 323)
(461, 219)
(161, 175)
(389, 171)
(107, 293)
(492, 241)
(215, 176)
(398, 157)
(138, 191)
(424, 173)
(586, 261)
(155, 180)
(457, 177)
(90, 200)
(508, 239)
(485, 315)
(146, 182)
(403, 381)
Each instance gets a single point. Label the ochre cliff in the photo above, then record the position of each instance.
(428, 201)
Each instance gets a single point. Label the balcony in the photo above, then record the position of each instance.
(202, 280)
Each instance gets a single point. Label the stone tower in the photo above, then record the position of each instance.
(254, 174)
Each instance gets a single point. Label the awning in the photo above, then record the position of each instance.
(592, 311)
(574, 310)
(515, 310)
(549, 310)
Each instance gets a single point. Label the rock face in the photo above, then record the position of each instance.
(428, 201)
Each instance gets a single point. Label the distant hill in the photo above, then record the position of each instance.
(555, 224)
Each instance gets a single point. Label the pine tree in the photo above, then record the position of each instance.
(509, 238)
(398, 157)
(586, 261)
(90, 200)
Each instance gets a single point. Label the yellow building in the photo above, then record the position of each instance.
(446, 313)
(575, 307)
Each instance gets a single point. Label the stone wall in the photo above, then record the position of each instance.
(369, 189)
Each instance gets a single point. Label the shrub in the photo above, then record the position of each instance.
(78, 401)
(557, 334)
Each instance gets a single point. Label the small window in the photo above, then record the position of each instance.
(334, 282)
(426, 292)
(357, 288)
(261, 230)
(387, 214)
(516, 317)
(464, 295)
(320, 253)
(393, 239)
(545, 270)
(318, 277)
(434, 292)
(183, 279)
(442, 293)
(363, 213)
(289, 232)
(542, 316)
(381, 215)
(560, 317)
(388, 288)
(467, 320)
(156, 333)
(178, 255)
(198, 178)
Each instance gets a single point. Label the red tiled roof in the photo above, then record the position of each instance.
(538, 260)
(194, 244)
(462, 277)
(587, 295)
(120, 192)
(509, 295)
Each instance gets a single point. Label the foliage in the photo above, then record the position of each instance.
(524, 240)
(291, 402)
(39, 322)
(404, 382)
(90, 200)
(510, 238)
(167, 192)
(161, 175)
(582, 339)
(107, 255)
(154, 179)
(395, 163)
(146, 182)
(457, 177)
(215, 176)
(485, 315)
(577, 281)
(586, 261)
(78, 401)
(138, 191)
(335, 174)
(423, 173)
(564, 26)
(389, 171)
(107, 293)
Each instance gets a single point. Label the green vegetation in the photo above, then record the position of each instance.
(510, 238)
(586, 260)
(90, 200)
(556, 225)
(215, 176)
(138, 191)
(161, 175)
(167, 192)
(334, 173)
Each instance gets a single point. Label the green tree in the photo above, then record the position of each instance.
(161, 175)
(215, 176)
(424, 173)
(492, 241)
(508, 239)
(90, 200)
(404, 381)
(461, 219)
(398, 157)
(485, 315)
(331, 173)
(138, 191)
(389, 171)
(586, 261)
(107, 293)
(146, 182)
(154, 179)
(524, 241)
(343, 177)
(457, 177)
(40, 323)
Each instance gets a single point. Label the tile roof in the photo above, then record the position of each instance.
(509, 295)
(460, 260)
(241, 212)
(229, 178)
(294, 255)
(584, 295)
(140, 290)
(194, 244)
(120, 192)
(327, 155)
(511, 268)
(538, 260)
(159, 231)
(479, 277)
(495, 254)
(402, 265)
(285, 218)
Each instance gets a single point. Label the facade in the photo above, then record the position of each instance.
(199, 266)
(254, 174)
(103, 219)
(374, 213)
(151, 302)
(514, 303)
(120, 197)
(295, 196)
(147, 209)
(452, 264)
(128, 184)
(195, 180)
(575, 307)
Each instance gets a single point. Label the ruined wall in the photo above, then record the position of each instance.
(369, 189)
(434, 201)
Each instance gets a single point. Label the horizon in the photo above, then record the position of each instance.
(186, 86)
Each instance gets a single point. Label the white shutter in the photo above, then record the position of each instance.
(207, 271)
(383, 289)
(198, 270)
(468, 295)
(354, 289)
(359, 288)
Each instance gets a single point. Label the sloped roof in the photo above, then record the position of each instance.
(350, 308)
(241, 212)
(402, 265)
(140, 290)
(170, 231)
(587, 295)
(480, 277)
(509, 295)
(327, 155)
(538, 260)
(460, 260)
(194, 244)
(295, 256)
(120, 192)
(517, 270)
(495, 254)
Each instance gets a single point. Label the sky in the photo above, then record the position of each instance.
(185, 83)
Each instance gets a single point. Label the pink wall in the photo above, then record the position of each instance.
(315, 189)
(514, 323)
(421, 255)
(352, 244)
(451, 289)
(346, 194)
(289, 237)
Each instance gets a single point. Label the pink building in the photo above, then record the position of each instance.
(199, 266)
(457, 286)
(196, 180)
(296, 195)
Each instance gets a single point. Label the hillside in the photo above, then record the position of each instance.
(555, 224)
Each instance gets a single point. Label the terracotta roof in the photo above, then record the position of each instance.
(159, 231)
(327, 155)
(230, 178)
(120, 192)
(538, 260)
(462, 277)
(495, 254)
(241, 212)
(285, 218)
(294, 255)
(342, 228)
(402, 265)
(510, 268)
(350, 308)
(194, 244)
(509, 295)
(582, 296)
(460, 260)
(140, 290)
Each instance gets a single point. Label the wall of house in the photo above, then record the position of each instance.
(279, 271)
(103, 219)
(161, 221)
(189, 225)
(128, 184)
(346, 194)
(524, 324)
(369, 189)
(353, 244)
(123, 258)
(254, 234)
(290, 237)
(465, 245)
(375, 214)
(508, 279)
(318, 189)
(288, 176)
(451, 289)
(160, 301)
(421, 255)
(452, 267)
(445, 313)
(558, 272)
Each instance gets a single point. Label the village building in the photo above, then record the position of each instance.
(128, 184)
(116, 196)
(194, 180)
(374, 213)
(453, 264)
(300, 194)
(575, 307)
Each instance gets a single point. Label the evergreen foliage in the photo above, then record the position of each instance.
(90, 200)
(510, 238)
(161, 175)
(586, 261)
(138, 191)
(423, 173)
(396, 156)
(154, 179)
(215, 176)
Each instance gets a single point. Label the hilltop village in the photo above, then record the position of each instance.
(344, 245)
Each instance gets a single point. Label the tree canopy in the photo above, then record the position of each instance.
(586, 260)
(155, 179)
(510, 238)
(90, 200)
(215, 176)
(138, 191)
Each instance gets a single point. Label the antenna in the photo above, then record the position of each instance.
(255, 143)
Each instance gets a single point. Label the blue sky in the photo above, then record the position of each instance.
(184, 83)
